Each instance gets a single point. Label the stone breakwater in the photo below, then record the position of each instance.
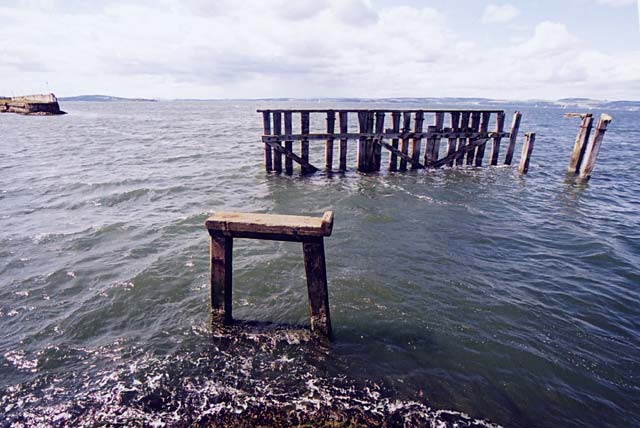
(42, 105)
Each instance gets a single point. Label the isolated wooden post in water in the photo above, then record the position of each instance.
(344, 128)
(527, 149)
(266, 122)
(277, 130)
(328, 149)
(288, 144)
(304, 144)
(395, 123)
(582, 140)
(495, 146)
(221, 251)
(591, 154)
(404, 145)
(416, 142)
(451, 143)
(464, 126)
(513, 136)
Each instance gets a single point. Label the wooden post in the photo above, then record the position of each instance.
(288, 144)
(582, 140)
(404, 145)
(591, 153)
(433, 144)
(475, 127)
(344, 128)
(464, 126)
(221, 252)
(328, 149)
(370, 150)
(377, 148)
(513, 136)
(304, 144)
(266, 122)
(451, 143)
(416, 142)
(529, 140)
(277, 130)
(495, 146)
(316, 270)
(393, 158)
(362, 142)
(484, 128)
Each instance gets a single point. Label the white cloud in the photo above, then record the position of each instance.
(500, 13)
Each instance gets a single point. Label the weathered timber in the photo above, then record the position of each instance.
(401, 155)
(513, 136)
(304, 165)
(344, 128)
(304, 143)
(460, 152)
(475, 126)
(393, 158)
(317, 289)
(328, 149)
(582, 140)
(221, 250)
(434, 110)
(462, 141)
(495, 146)
(429, 157)
(223, 227)
(377, 151)
(370, 147)
(404, 145)
(484, 128)
(362, 142)
(416, 141)
(451, 142)
(527, 149)
(591, 153)
(277, 130)
(266, 123)
(443, 133)
(288, 144)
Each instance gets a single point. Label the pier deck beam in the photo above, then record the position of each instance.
(223, 227)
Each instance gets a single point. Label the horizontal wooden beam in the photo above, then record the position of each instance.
(386, 135)
(380, 110)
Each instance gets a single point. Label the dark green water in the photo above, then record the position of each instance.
(506, 298)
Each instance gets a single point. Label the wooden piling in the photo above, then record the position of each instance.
(464, 126)
(304, 143)
(315, 268)
(416, 141)
(591, 153)
(395, 123)
(475, 127)
(513, 136)
(495, 145)
(527, 149)
(328, 149)
(288, 144)
(484, 128)
(582, 141)
(451, 142)
(277, 130)
(266, 122)
(377, 148)
(404, 145)
(344, 128)
(221, 251)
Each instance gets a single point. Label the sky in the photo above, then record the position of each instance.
(544, 49)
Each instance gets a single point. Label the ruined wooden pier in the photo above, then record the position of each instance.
(454, 138)
(224, 226)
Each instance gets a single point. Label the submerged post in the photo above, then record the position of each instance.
(404, 145)
(591, 153)
(277, 130)
(288, 144)
(266, 123)
(527, 149)
(304, 143)
(464, 126)
(344, 128)
(495, 146)
(328, 149)
(451, 142)
(582, 140)
(513, 136)
(416, 142)
(395, 123)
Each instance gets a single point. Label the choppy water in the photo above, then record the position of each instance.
(474, 290)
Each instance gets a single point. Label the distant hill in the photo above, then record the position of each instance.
(103, 98)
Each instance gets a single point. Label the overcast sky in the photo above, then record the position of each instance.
(545, 49)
